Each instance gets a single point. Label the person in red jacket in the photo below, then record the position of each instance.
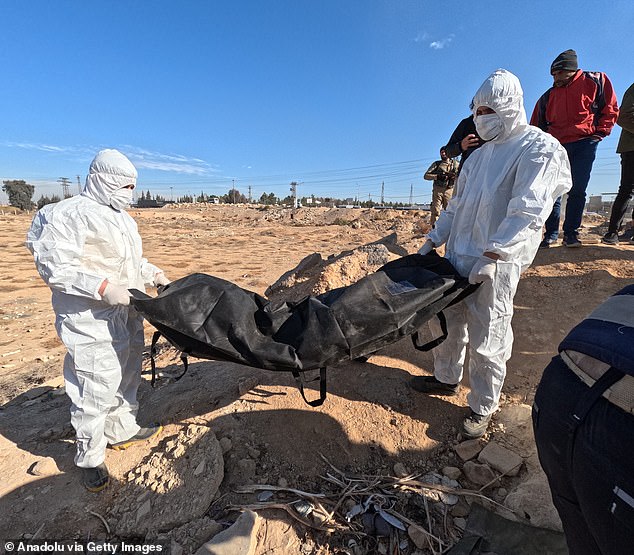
(579, 110)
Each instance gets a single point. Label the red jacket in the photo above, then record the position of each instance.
(569, 109)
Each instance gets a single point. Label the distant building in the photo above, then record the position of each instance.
(595, 204)
(598, 205)
(149, 203)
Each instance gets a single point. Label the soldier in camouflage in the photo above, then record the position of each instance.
(443, 173)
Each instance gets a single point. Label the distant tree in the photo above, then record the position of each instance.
(268, 198)
(20, 193)
(43, 201)
(234, 197)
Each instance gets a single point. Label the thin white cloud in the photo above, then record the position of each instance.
(140, 157)
(421, 37)
(440, 44)
(177, 163)
(39, 146)
(168, 166)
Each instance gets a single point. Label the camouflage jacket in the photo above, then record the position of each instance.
(443, 172)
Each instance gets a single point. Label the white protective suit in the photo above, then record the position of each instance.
(504, 194)
(77, 243)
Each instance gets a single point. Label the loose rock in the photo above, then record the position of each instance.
(468, 449)
(501, 459)
(479, 474)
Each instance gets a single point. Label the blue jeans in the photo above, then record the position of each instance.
(581, 155)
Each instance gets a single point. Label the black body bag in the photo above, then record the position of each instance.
(211, 318)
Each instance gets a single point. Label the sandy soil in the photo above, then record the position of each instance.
(370, 421)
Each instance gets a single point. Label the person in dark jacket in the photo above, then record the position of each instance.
(583, 419)
(579, 110)
(463, 141)
(626, 149)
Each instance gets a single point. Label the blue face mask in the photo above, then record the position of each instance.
(488, 126)
(121, 198)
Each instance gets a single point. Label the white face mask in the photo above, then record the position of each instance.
(121, 198)
(488, 126)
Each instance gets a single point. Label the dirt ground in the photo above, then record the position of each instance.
(370, 421)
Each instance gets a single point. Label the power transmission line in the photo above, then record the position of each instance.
(65, 183)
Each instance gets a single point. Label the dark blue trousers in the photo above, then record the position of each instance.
(581, 155)
(589, 463)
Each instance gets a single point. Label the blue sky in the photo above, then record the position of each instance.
(338, 95)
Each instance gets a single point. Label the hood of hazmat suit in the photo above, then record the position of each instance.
(77, 244)
(82, 240)
(506, 188)
(108, 172)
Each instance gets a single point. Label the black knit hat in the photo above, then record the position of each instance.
(566, 61)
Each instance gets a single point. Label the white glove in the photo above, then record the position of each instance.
(427, 247)
(115, 295)
(160, 280)
(483, 270)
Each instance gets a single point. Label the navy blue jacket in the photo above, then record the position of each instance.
(608, 333)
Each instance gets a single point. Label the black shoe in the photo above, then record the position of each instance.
(142, 435)
(430, 385)
(572, 241)
(545, 244)
(97, 478)
(475, 425)
(610, 238)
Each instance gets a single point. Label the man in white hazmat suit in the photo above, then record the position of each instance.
(88, 251)
(492, 229)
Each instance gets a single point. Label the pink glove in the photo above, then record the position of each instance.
(160, 280)
(427, 247)
(483, 270)
(115, 295)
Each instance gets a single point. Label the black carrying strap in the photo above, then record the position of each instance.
(322, 387)
(434, 342)
(155, 338)
(153, 353)
(296, 374)
(587, 401)
(583, 406)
